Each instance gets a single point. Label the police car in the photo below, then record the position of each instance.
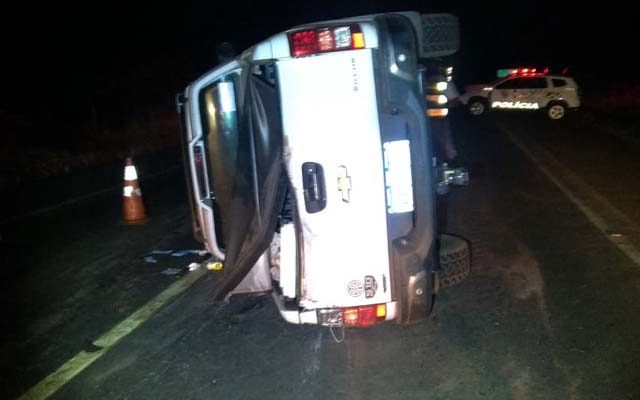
(524, 89)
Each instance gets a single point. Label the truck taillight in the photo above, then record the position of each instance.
(364, 316)
(322, 40)
(198, 158)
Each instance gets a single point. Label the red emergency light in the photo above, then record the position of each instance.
(528, 72)
(326, 39)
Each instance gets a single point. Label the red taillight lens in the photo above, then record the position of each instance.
(350, 316)
(198, 159)
(325, 40)
(322, 40)
(303, 43)
(197, 156)
(364, 316)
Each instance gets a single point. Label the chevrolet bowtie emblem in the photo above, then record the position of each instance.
(344, 183)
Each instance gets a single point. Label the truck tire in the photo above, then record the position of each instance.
(455, 260)
(440, 35)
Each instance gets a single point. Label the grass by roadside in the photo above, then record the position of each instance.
(23, 166)
(614, 110)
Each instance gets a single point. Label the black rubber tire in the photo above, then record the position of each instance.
(440, 35)
(556, 111)
(455, 260)
(477, 104)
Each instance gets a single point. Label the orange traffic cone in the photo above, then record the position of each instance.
(133, 212)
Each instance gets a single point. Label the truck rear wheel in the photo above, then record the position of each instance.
(455, 260)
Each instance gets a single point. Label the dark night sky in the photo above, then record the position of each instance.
(73, 53)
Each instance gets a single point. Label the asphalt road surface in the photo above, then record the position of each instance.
(551, 309)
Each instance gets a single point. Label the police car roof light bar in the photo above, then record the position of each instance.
(522, 71)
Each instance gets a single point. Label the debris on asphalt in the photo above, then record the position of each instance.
(174, 253)
(214, 265)
(180, 253)
(194, 266)
(161, 251)
(171, 271)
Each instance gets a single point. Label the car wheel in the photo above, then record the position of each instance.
(455, 260)
(556, 111)
(477, 107)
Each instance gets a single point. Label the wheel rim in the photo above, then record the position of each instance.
(476, 108)
(556, 111)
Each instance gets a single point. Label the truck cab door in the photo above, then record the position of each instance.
(210, 117)
(239, 185)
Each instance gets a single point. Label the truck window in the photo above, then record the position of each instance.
(220, 125)
(266, 124)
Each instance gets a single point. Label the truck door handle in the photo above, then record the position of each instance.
(315, 194)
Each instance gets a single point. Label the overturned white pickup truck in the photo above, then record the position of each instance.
(311, 171)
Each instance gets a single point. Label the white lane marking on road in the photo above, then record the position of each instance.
(83, 359)
(600, 222)
(81, 198)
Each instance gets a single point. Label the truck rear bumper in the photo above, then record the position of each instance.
(310, 316)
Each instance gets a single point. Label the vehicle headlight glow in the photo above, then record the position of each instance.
(437, 98)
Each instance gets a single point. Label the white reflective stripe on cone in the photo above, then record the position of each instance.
(130, 173)
(129, 191)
